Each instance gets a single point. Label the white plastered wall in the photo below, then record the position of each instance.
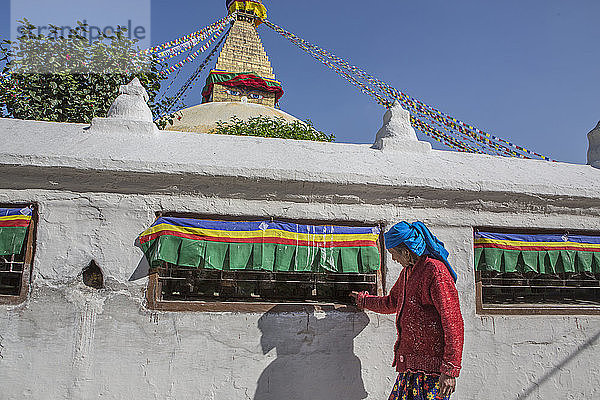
(69, 341)
(97, 189)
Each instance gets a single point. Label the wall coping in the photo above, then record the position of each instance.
(61, 146)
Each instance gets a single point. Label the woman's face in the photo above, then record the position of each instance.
(401, 255)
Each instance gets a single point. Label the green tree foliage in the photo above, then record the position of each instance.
(272, 127)
(69, 78)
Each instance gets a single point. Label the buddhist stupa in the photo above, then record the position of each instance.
(243, 83)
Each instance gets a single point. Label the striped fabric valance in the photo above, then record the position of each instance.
(261, 245)
(13, 229)
(539, 253)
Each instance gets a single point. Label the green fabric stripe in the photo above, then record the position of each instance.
(530, 260)
(329, 259)
(492, 260)
(305, 258)
(584, 261)
(543, 262)
(263, 256)
(568, 260)
(239, 255)
(349, 258)
(149, 249)
(370, 259)
(260, 256)
(596, 266)
(191, 253)
(478, 253)
(510, 260)
(12, 239)
(284, 258)
(553, 255)
(168, 249)
(215, 255)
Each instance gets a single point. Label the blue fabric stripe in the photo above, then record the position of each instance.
(260, 225)
(5, 212)
(539, 237)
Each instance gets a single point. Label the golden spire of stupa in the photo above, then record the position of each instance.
(243, 52)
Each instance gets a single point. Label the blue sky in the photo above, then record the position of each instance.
(526, 71)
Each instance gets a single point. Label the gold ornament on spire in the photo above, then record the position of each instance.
(251, 8)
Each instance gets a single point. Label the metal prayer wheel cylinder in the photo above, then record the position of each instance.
(594, 147)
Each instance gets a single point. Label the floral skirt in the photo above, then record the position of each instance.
(416, 386)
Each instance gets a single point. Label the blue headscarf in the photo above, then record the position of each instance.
(419, 240)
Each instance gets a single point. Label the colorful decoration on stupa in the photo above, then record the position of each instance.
(244, 80)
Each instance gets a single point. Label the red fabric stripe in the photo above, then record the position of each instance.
(533, 248)
(19, 223)
(251, 84)
(243, 80)
(354, 243)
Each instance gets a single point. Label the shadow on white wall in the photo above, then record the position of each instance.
(315, 355)
(531, 389)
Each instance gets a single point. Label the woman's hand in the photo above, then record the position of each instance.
(447, 386)
(355, 295)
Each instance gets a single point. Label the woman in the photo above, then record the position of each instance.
(428, 351)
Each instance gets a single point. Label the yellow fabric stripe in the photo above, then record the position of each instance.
(537, 244)
(16, 217)
(272, 233)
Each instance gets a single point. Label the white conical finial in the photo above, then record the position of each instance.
(397, 133)
(132, 103)
(594, 147)
(129, 112)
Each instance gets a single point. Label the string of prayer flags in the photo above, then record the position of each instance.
(188, 38)
(430, 121)
(193, 56)
(192, 80)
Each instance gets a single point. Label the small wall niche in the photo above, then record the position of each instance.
(93, 276)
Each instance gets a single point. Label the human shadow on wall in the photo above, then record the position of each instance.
(315, 355)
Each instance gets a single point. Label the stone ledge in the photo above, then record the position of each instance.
(57, 145)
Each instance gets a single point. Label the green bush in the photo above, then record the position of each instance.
(276, 127)
(69, 78)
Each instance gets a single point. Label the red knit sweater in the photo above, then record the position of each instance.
(428, 319)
